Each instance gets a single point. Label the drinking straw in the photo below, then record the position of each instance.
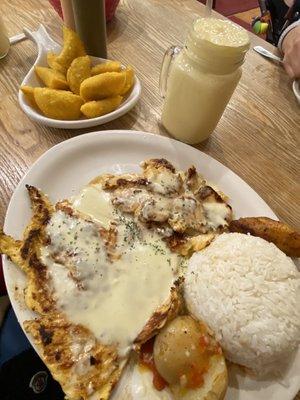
(208, 8)
(67, 10)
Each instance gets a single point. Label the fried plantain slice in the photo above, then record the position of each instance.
(282, 235)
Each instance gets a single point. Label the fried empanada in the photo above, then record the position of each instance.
(51, 78)
(93, 109)
(80, 69)
(72, 48)
(103, 85)
(129, 74)
(110, 66)
(29, 94)
(51, 60)
(58, 104)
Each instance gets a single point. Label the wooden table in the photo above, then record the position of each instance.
(258, 136)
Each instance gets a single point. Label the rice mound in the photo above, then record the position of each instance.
(248, 292)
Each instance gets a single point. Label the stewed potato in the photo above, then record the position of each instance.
(51, 78)
(93, 109)
(178, 351)
(190, 360)
(103, 85)
(80, 69)
(58, 104)
(110, 66)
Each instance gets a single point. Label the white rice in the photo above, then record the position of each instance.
(248, 292)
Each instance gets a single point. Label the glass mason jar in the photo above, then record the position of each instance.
(4, 40)
(198, 80)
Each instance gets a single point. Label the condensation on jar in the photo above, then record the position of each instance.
(202, 78)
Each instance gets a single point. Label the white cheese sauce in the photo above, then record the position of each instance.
(113, 298)
(216, 214)
(185, 209)
(96, 204)
(163, 182)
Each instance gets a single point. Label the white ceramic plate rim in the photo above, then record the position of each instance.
(177, 152)
(296, 89)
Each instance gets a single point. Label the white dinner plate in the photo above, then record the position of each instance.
(67, 167)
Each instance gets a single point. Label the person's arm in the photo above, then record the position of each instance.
(289, 44)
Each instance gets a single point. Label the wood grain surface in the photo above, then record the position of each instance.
(258, 136)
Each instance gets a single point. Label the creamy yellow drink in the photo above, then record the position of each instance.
(203, 78)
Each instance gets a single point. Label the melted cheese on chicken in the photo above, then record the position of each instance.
(179, 205)
(110, 288)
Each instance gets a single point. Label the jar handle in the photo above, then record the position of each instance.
(168, 59)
